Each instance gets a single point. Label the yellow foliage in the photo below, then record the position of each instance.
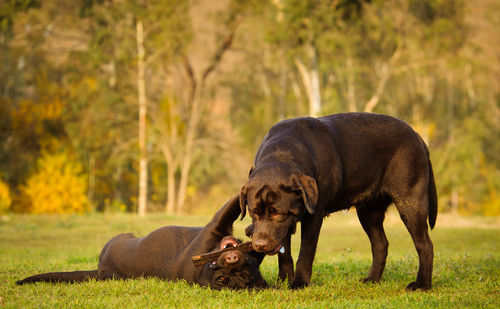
(426, 130)
(52, 109)
(91, 83)
(491, 175)
(5, 200)
(59, 186)
(492, 204)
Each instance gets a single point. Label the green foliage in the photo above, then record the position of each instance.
(462, 165)
(68, 80)
(59, 186)
(8, 10)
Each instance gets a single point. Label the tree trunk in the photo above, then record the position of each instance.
(385, 73)
(310, 79)
(195, 114)
(471, 93)
(170, 188)
(384, 77)
(351, 90)
(283, 88)
(141, 87)
(315, 101)
(188, 151)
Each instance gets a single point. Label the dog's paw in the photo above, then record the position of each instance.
(298, 285)
(285, 277)
(286, 273)
(418, 286)
(368, 280)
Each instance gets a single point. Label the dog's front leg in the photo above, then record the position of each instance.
(285, 261)
(310, 227)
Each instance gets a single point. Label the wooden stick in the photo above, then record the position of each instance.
(213, 256)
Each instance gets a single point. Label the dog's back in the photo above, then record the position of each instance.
(126, 256)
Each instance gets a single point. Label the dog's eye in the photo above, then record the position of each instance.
(220, 279)
(274, 214)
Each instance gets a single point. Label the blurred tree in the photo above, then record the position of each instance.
(30, 102)
(217, 75)
(128, 43)
(100, 111)
(178, 117)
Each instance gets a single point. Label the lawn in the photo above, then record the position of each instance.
(466, 266)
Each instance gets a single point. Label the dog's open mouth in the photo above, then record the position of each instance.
(228, 242)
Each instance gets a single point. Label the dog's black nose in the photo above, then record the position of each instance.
(232, 258)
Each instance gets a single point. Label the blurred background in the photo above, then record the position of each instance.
(160, 106)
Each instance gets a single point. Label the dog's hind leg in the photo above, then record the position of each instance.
(414, 213)
(371, 214)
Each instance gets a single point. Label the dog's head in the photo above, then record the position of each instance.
(276, 201)
(235, 269)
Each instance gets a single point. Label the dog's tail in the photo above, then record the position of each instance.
(433, 201)
(70, 276)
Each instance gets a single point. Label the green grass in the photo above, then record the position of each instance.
(466, 266)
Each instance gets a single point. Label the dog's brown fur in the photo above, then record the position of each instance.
(307, 168)
(166, 253)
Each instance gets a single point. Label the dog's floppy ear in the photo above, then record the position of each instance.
(243, 202)
(249, 231)
(309, 191)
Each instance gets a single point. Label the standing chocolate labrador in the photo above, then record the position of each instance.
(307, 168)
(166, 253)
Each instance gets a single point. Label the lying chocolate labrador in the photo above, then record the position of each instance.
(307, 168)
(166, 253)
